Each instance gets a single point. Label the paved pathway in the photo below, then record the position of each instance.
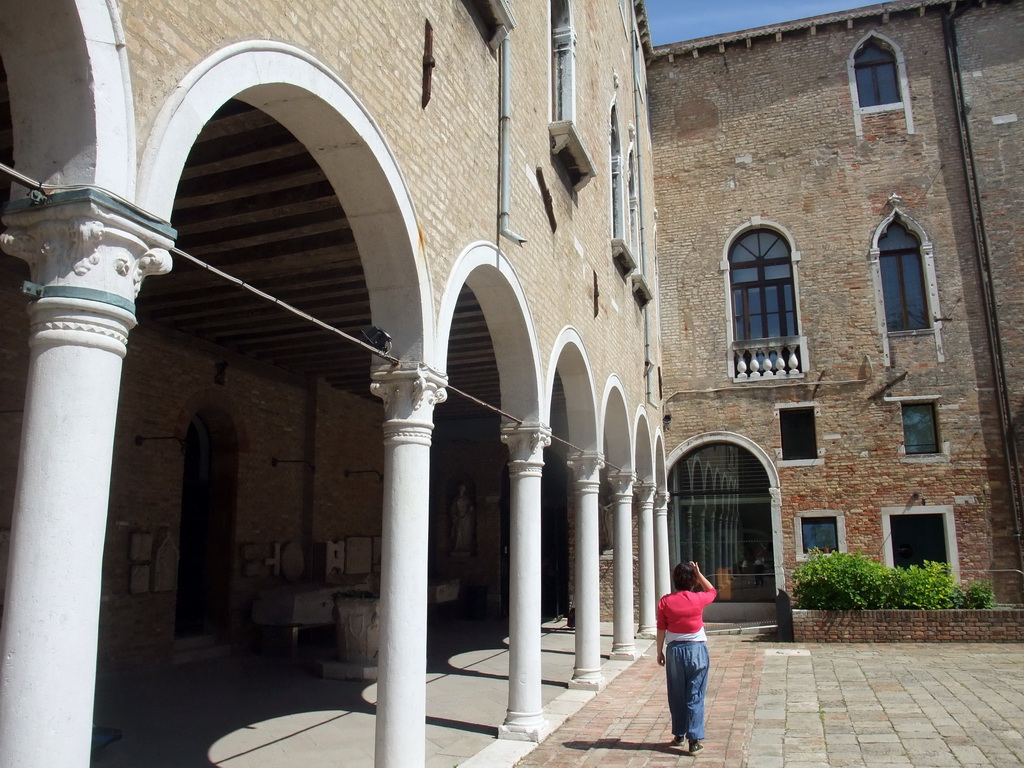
(775, 705)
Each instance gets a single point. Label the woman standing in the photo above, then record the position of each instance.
(685, 657)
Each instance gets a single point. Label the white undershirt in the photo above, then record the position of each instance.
(674, 637)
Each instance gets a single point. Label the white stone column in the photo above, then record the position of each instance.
(410, 393)
(623, 642)
(524, 719)
(88, 256)
(662, 559)
(587, 673)
(645, 545)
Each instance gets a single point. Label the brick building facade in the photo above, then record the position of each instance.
(824, 317)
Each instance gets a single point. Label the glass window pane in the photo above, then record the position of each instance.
(919, 434)
(756, 327)
(866, 88)
(776, 272)
(913, 292)
(888, 89)
(897, 238)
(798, 434)
(819, 533)
(790, 329)
(771, 298)
(774, 329)
(754, 301)
(872, 53)
(747, 275)
(775, 248)
(891, 293)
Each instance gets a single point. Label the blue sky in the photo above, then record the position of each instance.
(676, 20)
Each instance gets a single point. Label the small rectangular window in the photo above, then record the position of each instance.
(798, 438)
(919, 429)
(821, 533)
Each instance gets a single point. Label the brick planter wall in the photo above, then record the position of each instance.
(995, 626)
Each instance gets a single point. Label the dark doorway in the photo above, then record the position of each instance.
(190, 615)
(916, 538)
(554, 538)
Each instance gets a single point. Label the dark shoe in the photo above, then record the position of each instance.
(678, 741)
(696, 746)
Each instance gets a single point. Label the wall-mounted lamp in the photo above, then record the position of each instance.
(667, 420)
(274, 462)
(378, 473)
(377, 338)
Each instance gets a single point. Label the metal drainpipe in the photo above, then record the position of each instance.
(504, 129)
(640, 207)
(989, 299)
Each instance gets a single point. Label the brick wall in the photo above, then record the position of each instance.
(996, 626)
(765, 128)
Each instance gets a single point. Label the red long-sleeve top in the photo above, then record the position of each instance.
(683, 612)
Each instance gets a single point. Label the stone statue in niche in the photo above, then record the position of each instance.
(462, 519)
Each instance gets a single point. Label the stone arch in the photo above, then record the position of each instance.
(71, 106)
(615, 428)
(774, 483)
(643, 454)
(492, 278)
(314, 104)
(569, 361)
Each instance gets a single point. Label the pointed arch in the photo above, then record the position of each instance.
(863, 105)
(880, 275)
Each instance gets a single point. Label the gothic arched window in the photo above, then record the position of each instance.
(903, 284)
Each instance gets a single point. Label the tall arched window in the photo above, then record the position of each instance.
(761, 278)
(563, 62)
(876, 73)
(618, 219)
(903, 284)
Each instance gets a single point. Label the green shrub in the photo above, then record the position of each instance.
(844, 582)
(840, 582)
(928, 587)
(978, 595)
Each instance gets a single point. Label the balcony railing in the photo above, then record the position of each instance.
(760, 359)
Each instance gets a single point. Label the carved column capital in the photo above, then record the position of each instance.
(645, 493)
(526, 444)
(622, 483)
(410, 392)
(586, 468)
(661, 503)
(88, 246)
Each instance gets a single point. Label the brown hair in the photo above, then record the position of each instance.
(684, 578)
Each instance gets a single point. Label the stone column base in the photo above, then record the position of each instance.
(534, 732)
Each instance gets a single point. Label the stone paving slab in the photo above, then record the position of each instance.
(774, 705)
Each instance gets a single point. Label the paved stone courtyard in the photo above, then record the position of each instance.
(775, 705)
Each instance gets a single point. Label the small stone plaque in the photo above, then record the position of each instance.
(139, 579)
(140, 547)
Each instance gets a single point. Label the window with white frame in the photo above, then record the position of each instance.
(764, 323)
(919, 532)
(615, 180)
(878, 79)
(922, 436)
(563, 62)
(823, 530)
(874, 66)
(906, 285)
(920, 428)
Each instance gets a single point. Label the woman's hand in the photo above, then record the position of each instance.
(695, 566)
(661, 658)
